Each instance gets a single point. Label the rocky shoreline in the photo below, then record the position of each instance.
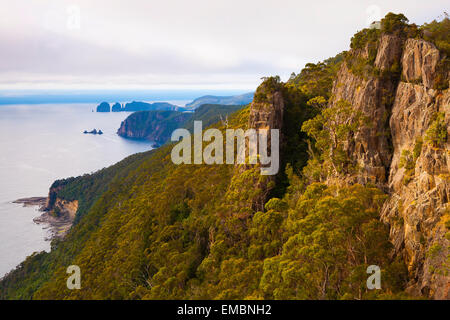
(31, 202)
(57, 224)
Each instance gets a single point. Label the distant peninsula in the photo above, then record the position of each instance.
(237, 100)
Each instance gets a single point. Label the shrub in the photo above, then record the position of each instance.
(363, 37)
(438, 32)
(393, 22)
(436, 134)
(417, 148)
(434, 250)
(406, 160)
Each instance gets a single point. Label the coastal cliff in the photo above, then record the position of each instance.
(59, 213)
(154, 126)
(158, 125)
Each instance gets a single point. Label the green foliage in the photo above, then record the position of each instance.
(88, 188)
(392, 23)
(417, 148)
(364, 44)
(267, 88)
(441, 81)
(364, 37)
(304, 95)
(318, 102)
(365, 40)
(31, 274)
(434, 250)
(436, 134)
(406, 160)
(333, 234)
(317, 79)
(330, 131)
(438, 32)
(295, 149)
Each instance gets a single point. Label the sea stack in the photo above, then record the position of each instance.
(103, 107)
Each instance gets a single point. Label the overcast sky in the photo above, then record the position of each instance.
(215, 44)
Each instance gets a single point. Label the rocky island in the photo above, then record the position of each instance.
(94, 131)
(104, 107)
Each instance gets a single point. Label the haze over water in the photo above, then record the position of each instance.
(43, 143)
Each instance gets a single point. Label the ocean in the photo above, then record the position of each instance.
(40, 143)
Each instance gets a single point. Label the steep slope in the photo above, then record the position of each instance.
(419, 177)
(390, 80)
(88, 189)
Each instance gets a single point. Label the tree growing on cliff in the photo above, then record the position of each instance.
(331, 130)
(436, 134)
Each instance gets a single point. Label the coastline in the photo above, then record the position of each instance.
(32, 201)
(57, 225)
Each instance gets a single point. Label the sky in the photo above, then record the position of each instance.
(178, 44)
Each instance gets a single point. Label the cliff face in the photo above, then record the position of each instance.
(393, 152)
(419, 199)
(59, 213)
(266, 113)
(152, 125)
(372, 95)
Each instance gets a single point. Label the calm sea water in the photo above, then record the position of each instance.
(42, 143)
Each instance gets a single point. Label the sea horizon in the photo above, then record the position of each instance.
(13, 97)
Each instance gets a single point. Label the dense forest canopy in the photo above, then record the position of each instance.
(148, 229)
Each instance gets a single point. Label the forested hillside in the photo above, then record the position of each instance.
(347, 195)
